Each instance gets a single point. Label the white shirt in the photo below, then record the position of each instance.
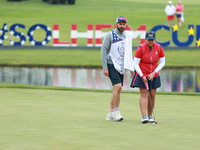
(117, 51)
(170, 10)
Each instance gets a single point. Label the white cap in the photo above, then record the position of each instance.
(169, 2)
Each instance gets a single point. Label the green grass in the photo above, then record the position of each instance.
(50, 119)
(77, 57)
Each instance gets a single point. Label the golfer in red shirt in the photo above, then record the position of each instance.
(147, 70)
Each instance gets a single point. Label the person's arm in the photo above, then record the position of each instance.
(104, 49)
(182, 8)
(136, 61)
(137, 67)
(177, 9)
(139, 71)
(166, 10)
(161, 60)
(159, 67)
(174, 9)
(161, 64)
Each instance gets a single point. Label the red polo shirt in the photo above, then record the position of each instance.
(149, 57)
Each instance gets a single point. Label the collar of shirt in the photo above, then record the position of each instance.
(150, 48)
(123, 34)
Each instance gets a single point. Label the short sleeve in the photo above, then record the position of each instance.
(162, 54)
(138, 53)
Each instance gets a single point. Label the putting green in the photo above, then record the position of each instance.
(63, 119)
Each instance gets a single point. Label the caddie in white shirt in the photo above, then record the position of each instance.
(116, 55)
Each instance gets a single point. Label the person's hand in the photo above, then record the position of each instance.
(132, 74)
(151, 76)
(106, 72)
(144, 79)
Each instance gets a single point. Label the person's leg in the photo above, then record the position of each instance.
(144, 104)
(172, 22)
(111, 111)
(114, 102)
(110, 115)
(115, 98)
(168, 20)
(143, 101)
(152, 95)
(179, 22)
(117, 82)
(112, 105)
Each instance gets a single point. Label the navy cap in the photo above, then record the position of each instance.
(150, 35)
(121, 18)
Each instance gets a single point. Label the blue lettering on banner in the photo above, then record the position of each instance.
(2, 32)
(198, 36)
(161, 27)
(19, 35)
(31, 32)
(30, 35)
(175, 36)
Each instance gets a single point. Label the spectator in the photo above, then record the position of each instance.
(170, 12)
(179, 13)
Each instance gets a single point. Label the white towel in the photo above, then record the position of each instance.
(128, 57)
(182, 17)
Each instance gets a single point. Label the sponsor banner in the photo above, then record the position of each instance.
(93, 34)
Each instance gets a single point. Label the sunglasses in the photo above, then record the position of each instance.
(150, 32)
(122, 19)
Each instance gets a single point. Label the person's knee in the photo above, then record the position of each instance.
(144, 93)
(117, 88)
(152, 97)
(153, 93)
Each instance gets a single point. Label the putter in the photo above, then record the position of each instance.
(151, 104)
